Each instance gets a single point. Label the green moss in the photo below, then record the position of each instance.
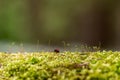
(60, 66)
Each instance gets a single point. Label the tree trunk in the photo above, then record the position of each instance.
(35, 18)
(95, 26)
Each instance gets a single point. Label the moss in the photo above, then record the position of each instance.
(62, 66)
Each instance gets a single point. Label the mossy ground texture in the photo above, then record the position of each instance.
(104, 65)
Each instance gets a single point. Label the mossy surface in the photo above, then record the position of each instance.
(103, 65)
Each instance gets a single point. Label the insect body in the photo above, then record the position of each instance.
(56, 50)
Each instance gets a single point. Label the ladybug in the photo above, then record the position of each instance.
(56, 50)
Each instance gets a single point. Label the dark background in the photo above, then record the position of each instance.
(54, 22)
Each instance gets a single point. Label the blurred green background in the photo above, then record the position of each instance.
(53, 21)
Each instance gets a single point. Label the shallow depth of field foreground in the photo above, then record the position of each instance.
(103, 65)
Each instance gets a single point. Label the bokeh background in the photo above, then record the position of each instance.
(59, 22)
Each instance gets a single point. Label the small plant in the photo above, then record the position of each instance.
(98, 65)
(86, 48)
